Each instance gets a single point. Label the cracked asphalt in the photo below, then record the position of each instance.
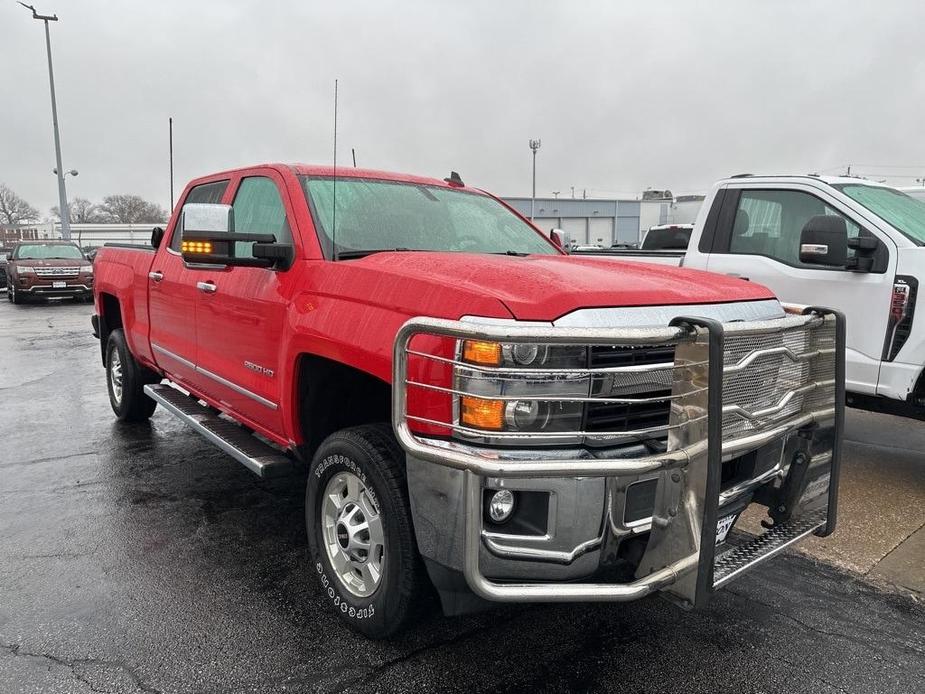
(141, 559)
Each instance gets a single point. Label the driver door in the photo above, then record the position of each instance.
(763, 245)
(241, 312)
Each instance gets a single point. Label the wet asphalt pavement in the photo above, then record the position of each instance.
(141, 559)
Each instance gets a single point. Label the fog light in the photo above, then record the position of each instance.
(501, 505)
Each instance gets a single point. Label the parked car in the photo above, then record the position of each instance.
(3, 261)
(535, 426)
(848, 243)
(48, 269)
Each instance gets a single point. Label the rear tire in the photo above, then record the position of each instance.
(125, 380)
(360, 533)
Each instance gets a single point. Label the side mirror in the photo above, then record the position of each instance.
(824, 241)
(865, 249)
(9, 257)
(157, 235)
(560, 238)
(207, 237)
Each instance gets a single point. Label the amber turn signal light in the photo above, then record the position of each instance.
(481, 413)
(478, 352)
(196, 246)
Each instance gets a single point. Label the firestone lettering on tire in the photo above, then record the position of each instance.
(353, 467)
(340, 603)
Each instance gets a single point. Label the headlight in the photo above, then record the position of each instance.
(86, 270)
(519, 388)
(24, 270)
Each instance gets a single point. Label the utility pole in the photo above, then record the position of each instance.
(62, 193)
(573, 192)
(170, 137)
(534, 145)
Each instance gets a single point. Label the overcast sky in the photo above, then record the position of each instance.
(623, 95)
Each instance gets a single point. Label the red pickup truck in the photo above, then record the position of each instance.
(478, 410)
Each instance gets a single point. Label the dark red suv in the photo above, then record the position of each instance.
(50, 269)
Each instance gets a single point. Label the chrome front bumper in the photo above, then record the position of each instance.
(718, 370)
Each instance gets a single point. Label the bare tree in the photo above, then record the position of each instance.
(131, 209)
(81, 211)
(15, 210)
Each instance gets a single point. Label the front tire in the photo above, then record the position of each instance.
(360, 533)
(12, 295)
(125, 380)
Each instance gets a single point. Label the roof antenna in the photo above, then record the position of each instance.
(454, 180)
(354, 152)
(334, 193)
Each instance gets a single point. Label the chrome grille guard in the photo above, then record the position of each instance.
(785, 381)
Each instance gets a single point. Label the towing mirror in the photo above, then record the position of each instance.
(157, 235)
(824, 241)
(560, 238)
(207, 236)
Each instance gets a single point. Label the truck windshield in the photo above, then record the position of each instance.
(900, 210)
(44, 251)
(376, 215)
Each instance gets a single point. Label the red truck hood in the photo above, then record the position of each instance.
(543, 288)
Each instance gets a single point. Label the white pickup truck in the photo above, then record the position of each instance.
(848, 243)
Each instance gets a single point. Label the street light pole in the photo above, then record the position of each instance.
(62, 192)
(534, 145)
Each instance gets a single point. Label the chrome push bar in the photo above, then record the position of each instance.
(704, 429)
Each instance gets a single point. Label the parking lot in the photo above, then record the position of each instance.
(141, 559)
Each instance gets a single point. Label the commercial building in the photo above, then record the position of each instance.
(608, 221)
(84, 235)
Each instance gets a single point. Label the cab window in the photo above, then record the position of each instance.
(210, 193)
(258, 209)
(769, 222)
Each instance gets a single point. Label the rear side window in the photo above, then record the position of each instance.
(672, 239)
(769, 222)
(207, 193)
(258, 209)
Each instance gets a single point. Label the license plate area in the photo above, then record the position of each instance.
(58, 284)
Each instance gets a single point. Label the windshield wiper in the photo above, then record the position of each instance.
(517, 253)
(348, 255)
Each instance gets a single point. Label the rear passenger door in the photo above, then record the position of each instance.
(241, 312)
(759, 239)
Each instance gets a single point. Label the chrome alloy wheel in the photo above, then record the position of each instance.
(115, 375)
(352, 532)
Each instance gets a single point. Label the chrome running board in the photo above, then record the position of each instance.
(737, 559)
(257, 456)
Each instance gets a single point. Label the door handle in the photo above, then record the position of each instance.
(156, 276)
(207, 287)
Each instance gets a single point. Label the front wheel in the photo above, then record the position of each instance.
(360, 533)
(12, 295)
(125, 379)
